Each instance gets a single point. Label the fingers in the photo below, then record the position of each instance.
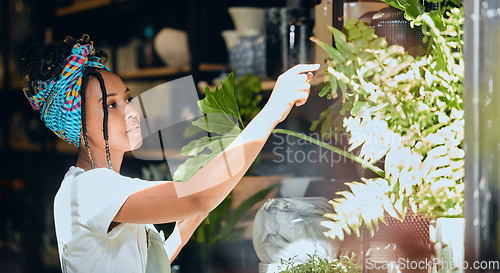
(303, 68)
(309, 76)
(301, 97)
(303, 94)
(302, 86)
(302, 77)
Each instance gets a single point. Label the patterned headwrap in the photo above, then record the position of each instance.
(58, 98)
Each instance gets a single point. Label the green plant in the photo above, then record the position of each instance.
(406, 110)
(227, 111)
(247, 89)
(220, 225)
(315, 264)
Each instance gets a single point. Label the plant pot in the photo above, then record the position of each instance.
(248, 21)
(286, 228)
(171, 45)
(248, 56)
(230, 38)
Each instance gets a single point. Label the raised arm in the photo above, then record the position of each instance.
(173, 201)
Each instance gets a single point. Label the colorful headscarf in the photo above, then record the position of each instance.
(58, 98)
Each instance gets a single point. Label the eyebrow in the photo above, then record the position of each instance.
(114, 94)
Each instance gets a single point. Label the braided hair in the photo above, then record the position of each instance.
(46, 61)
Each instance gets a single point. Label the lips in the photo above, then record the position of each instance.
(134, 129)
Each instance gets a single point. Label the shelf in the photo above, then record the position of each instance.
(208, 67)
(154, 72)
(82, 6)
(66, 148)
(15, 86)
(25, 146)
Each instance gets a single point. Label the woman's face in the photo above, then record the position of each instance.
(124, 131)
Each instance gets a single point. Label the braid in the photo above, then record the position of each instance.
(98, 75)
(84, 121)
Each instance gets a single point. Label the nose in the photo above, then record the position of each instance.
(132, 111)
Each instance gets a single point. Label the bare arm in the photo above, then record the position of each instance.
(173, 201)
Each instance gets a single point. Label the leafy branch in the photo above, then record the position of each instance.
(406, 110)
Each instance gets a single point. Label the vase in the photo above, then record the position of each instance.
(248, 21)
(248, 56)
(172, 47)
(391, 24)
(290, 228)
(448, 236)
(230, 38)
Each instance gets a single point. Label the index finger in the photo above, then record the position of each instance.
(304, 68)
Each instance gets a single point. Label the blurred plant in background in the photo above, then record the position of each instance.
(345, 264)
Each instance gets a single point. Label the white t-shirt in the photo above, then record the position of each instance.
(84, 207)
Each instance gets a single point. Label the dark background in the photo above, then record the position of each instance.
(31, 165)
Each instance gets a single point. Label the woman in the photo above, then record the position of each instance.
(104, 220)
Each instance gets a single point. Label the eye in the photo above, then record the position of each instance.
(129, 99)
(112, 105)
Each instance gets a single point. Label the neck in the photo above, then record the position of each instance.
(99, 158)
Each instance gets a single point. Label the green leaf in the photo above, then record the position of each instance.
(412, 8)
(191, 166)
(222, 100)
(341, 42)
(222, 118)
(325, 89)
(333, 84)
(219, 123)
(216, 217)
(247, 90)
(191, 131)
(215, 144)
(378, 43)
(332, 52)
(358, 105)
